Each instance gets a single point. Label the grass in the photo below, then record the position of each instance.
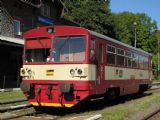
(126, 110)
(11, 95)
(155, 81)
(115, 112)
(122, 111)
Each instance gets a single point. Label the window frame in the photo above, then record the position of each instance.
(114, 53)
(19, 33)
(136, 61)
(145, 66)
(121, 56)
(70, 62)
(128, 57)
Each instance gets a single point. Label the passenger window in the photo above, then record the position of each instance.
(92, 49)
(93, 58)
(145, 61)
(135, 60)
(120, 57)
(141, 62)
(128, 59)
(111, 55)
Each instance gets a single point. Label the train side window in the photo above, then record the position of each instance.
(92, 49)
(135, 60)
(93, 58)
(128, 59)
(120, 57)
(140, 59)
(111, 55)
(145, 61)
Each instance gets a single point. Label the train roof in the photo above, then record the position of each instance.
(118, 42)
(77, 29)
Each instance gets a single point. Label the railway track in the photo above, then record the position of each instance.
(15, 108)
(155, 86)
(155, 115)
(20, 109)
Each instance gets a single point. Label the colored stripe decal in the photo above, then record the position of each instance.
(50, 104)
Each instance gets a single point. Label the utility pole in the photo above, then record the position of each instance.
(135, 34)
(158, 61)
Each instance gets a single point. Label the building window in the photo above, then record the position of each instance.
(45, 10)
(111, 55)
(128, 59)
(17, 27)
(120, 57)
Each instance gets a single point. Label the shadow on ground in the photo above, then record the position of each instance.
(88, 106)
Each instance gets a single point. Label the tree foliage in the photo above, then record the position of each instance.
(92, 14)
(145, 30)
(96, 15)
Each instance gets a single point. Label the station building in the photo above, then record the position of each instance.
(16, 17)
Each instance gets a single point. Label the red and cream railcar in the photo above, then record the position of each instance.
(63, 65)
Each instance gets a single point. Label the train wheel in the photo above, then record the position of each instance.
(111, 94)
(142, 89)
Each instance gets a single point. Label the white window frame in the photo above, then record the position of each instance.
(114, 53)
(122, 55)
(111, 51)
(17, 30)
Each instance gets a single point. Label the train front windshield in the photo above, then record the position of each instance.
(37, 50)
(69, 49)
(38, 55)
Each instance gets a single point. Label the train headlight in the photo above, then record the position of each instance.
(79, 71)
(23, 72)
(51, 30)
(29, 72)
(72, 72)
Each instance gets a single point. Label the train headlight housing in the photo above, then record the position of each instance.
(23, 72)
(51, 30)
(79, 71)
(72, 72)
(29, 72)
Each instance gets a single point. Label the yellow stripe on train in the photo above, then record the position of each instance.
(50, 104)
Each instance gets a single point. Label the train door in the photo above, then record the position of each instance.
(100, 55)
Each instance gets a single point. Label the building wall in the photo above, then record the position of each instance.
(29, 17)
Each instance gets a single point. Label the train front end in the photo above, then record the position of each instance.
(55, 68)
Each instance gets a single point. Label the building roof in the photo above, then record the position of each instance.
(39, 3)
(66, 10)
(12, 40)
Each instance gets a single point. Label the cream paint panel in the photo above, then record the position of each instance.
(61, 72)
(114, 73)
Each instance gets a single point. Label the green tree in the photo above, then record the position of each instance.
(155, 59)
(96, 15)
(92, 14)
(145, 29)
